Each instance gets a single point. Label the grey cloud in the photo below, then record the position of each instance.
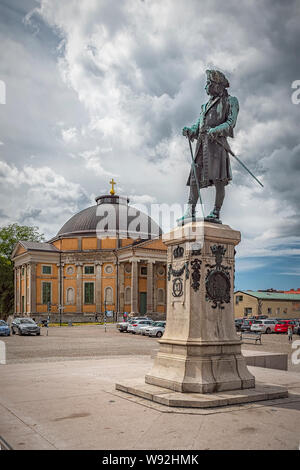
(160, 77)
(28, 215)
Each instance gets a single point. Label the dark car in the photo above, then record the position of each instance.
(4, 328)
(246, 325)
(25, 326)
(238, 323)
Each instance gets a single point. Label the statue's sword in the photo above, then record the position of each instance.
(228, 149)
(195, 174)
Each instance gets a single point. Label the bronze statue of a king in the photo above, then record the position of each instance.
(211, 162)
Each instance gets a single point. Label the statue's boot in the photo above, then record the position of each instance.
(188, 215)
(214, 215)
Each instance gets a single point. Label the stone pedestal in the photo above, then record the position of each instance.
(200, 351)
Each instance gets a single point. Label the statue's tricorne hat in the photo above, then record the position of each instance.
(217, 77)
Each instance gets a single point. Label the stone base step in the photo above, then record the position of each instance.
(166, 397)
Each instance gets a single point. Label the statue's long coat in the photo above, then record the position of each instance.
(212, 160)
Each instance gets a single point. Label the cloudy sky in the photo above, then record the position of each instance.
(101, 88)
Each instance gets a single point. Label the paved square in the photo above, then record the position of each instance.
(61, 395)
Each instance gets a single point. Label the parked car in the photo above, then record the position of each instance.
(157, 330)
(141, 328)
(123, 325)
(137, 324)
(246, 325)
(4, 328)
(295, 324)
(282, 326)
(264, 326)
(144, 330)
(25, 326)
(238, 323)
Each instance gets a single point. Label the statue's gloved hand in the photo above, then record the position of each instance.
(186, 131)
(212, 134)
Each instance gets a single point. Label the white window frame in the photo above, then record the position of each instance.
(42, 283)
(47, 266)
(84, 302)
(143, 267)
(89, 266)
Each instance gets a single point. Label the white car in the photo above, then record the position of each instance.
(135, 327)
(263, 326)
(157, 329)
(142, 329)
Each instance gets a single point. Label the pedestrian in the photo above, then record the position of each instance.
(290, 333)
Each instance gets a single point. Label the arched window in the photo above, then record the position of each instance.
(70, 295)
(109, 295)
(127, 295)
(161, 296)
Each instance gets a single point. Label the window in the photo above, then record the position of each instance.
(143, 270)
(46, 269)
(89, 270)
(269, 311)
(46, 292)
(88, 292)
(23, 271)
(278, 311)
(239, 298)
(108, 295)
(247, 311)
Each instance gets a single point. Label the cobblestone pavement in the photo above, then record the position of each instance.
(92, 341)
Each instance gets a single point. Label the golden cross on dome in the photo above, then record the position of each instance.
(112, 182)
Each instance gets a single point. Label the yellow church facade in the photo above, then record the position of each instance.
(108, 257)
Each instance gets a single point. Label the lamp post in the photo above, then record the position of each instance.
(105, 311)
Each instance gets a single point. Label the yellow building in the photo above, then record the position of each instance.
(272, 304)
(109, 256)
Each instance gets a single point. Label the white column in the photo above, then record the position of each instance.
(122, 286)
(98, 287)
(25, 289)
(79, 300)
(15, 291)
(33, 288)
(19, 290)
(150, 286)
(134, 286)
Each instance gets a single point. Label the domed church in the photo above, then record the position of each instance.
(108, 257)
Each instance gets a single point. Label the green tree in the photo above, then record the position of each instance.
(9, 237)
